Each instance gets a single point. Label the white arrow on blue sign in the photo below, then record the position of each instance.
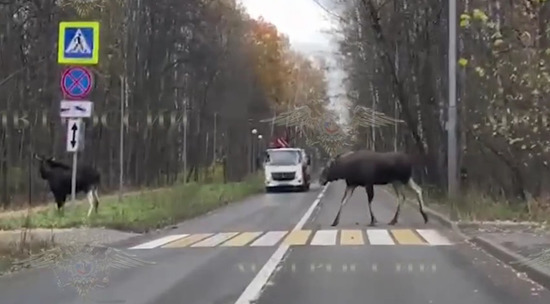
(76, 108)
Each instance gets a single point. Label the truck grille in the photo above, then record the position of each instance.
(283, 176)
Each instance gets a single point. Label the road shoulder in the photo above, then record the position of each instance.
(523, 246)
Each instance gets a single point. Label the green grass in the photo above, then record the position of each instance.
(140, 213)
(477, 206)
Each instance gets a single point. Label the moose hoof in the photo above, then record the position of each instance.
(425, 217)
(392, 223)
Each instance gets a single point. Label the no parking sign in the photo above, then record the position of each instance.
(76, 82)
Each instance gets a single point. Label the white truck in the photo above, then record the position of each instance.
(287, 168)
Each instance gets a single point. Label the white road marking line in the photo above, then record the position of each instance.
(324, 238)
(433, 237)
(309, 211)
(252, 291)
(379, 237)
(269, 239)
(215, 240)
(159, 242)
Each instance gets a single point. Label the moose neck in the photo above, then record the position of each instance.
(44, 171)
(334, 173)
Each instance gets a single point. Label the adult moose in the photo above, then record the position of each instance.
(367, 168)
(59, 177)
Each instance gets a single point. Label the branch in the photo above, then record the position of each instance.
(175, 63)
(397, 85)
(329, 11)
(5, 80)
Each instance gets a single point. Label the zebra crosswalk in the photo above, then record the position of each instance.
(331, 237)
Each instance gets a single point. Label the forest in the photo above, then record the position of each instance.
(395, 55)
(192, 77)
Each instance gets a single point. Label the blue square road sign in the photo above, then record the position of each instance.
(78, 42)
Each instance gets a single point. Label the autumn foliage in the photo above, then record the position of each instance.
(287, 77)
(506, 59)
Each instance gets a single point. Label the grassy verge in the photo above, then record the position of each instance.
(140, 213)
(21, 211)
(19, 251)
(477, 206)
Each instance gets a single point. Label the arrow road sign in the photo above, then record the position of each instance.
(76, 82)
(78, 42)
(75, 135)
(74, 128)
(76, 108)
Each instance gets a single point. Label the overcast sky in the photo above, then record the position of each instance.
(306, 24)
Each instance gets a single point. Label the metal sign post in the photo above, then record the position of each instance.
(78, 44)
(74, 133)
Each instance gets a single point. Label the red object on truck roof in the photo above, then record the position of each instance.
(279, 142)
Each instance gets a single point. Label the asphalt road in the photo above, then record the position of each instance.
(279, 248)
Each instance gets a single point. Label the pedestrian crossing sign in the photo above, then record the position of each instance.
(78, 42)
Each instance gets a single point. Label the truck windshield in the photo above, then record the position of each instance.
(283, 158)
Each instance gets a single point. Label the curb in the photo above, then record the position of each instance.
(445, 221)
(40, 236)
(512, 259)
(440, 218)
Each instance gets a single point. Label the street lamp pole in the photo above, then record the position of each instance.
(260, 146)
(452, 159)
(252, 155)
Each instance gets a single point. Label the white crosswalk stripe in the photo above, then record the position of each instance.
(160, 242)
(324, 238)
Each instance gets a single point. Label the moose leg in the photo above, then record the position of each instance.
(60, 200)
(90, 201)
(400, 199)
(418, 192)
(347, 195)
(96, 200)
(370, 195)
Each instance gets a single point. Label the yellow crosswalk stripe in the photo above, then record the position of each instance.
(374, 237)
(193, 238)
(297, 237)
(242, 239)
(406, 237)
(351, 237)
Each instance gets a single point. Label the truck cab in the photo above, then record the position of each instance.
(287, 168)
